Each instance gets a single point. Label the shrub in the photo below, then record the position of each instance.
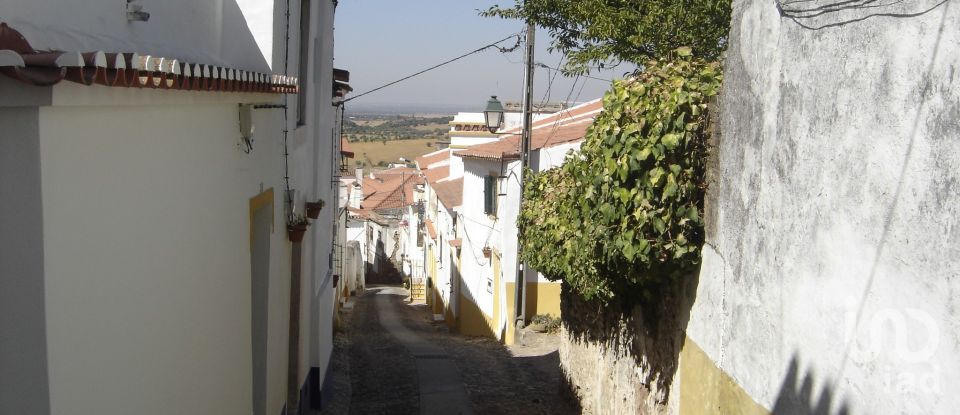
(626, 211)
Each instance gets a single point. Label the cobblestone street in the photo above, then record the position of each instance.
(391, 358)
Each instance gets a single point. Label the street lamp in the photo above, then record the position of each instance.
(493, 115)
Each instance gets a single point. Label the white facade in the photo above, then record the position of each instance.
(481, 230)
(137, 268)
(445, 222)
(499, 231)
(829, 275)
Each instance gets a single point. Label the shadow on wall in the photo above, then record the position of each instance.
(820, 14)
(472, 320)
(654, 331)
(797, 397)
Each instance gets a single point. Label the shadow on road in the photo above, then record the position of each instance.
(384, 378)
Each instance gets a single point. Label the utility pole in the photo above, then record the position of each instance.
(520, 303)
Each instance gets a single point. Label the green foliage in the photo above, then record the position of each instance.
(595, 31)
(627, 210)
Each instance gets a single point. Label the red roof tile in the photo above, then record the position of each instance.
(18, 60)
(390, 189)
(450, 192)
(345, 148)
(436, 174)
(424, 161)
(431, 230)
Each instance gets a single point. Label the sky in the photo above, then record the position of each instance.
(380, 41)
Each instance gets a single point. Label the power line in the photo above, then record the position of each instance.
(546, 96)
(478, 50)
(545, 66)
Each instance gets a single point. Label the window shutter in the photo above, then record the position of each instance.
(489, 195)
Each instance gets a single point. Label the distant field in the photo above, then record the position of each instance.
(375, 152)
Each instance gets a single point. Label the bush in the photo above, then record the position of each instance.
(627, 210)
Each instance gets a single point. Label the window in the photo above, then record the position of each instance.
(304, 61)
(490, 195)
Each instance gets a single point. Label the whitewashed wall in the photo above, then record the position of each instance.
(146, 258)
(445, 233)
(830, 274)
(146, 215)
(356, 232)
(315, 158)
(212, 31)
(479, 230)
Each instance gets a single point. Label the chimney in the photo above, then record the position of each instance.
(359, 174)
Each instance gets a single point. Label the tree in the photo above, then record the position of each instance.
(600, 31)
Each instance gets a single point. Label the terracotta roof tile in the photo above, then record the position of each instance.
(563, 127)
(450, 192)
(436, 174)
(345, 148)
(390, 189)
(431, 230)
(18, 60)
(424, 161)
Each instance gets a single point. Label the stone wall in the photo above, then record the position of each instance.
(623, 360)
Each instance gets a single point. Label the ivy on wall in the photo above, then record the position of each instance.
(626, 211)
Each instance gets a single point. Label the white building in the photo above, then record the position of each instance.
(491, 195)
(470, 128)
(145, 265)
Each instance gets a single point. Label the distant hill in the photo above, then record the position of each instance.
(386, 127)
(360, 107)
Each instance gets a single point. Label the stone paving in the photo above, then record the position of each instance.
(377, 373)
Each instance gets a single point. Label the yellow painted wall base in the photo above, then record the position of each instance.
(474, 322)
(542, 298)
(510, 335)
(449, 318)
(706, 389)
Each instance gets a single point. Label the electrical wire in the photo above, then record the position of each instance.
(545, 66)
(546, 95)
(478, 50)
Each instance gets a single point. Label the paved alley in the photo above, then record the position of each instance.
(392, 359)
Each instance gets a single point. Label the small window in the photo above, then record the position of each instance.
(490, 195)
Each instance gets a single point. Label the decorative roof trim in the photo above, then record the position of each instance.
(18, 60)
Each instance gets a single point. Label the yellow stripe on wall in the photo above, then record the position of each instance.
(706, 389)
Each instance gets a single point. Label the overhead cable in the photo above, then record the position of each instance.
(478, 50)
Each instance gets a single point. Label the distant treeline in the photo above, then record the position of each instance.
(395, 127)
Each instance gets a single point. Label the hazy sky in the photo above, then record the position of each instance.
(384, 40)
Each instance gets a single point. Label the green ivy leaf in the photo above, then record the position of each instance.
(671, 141)
(621, 213)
